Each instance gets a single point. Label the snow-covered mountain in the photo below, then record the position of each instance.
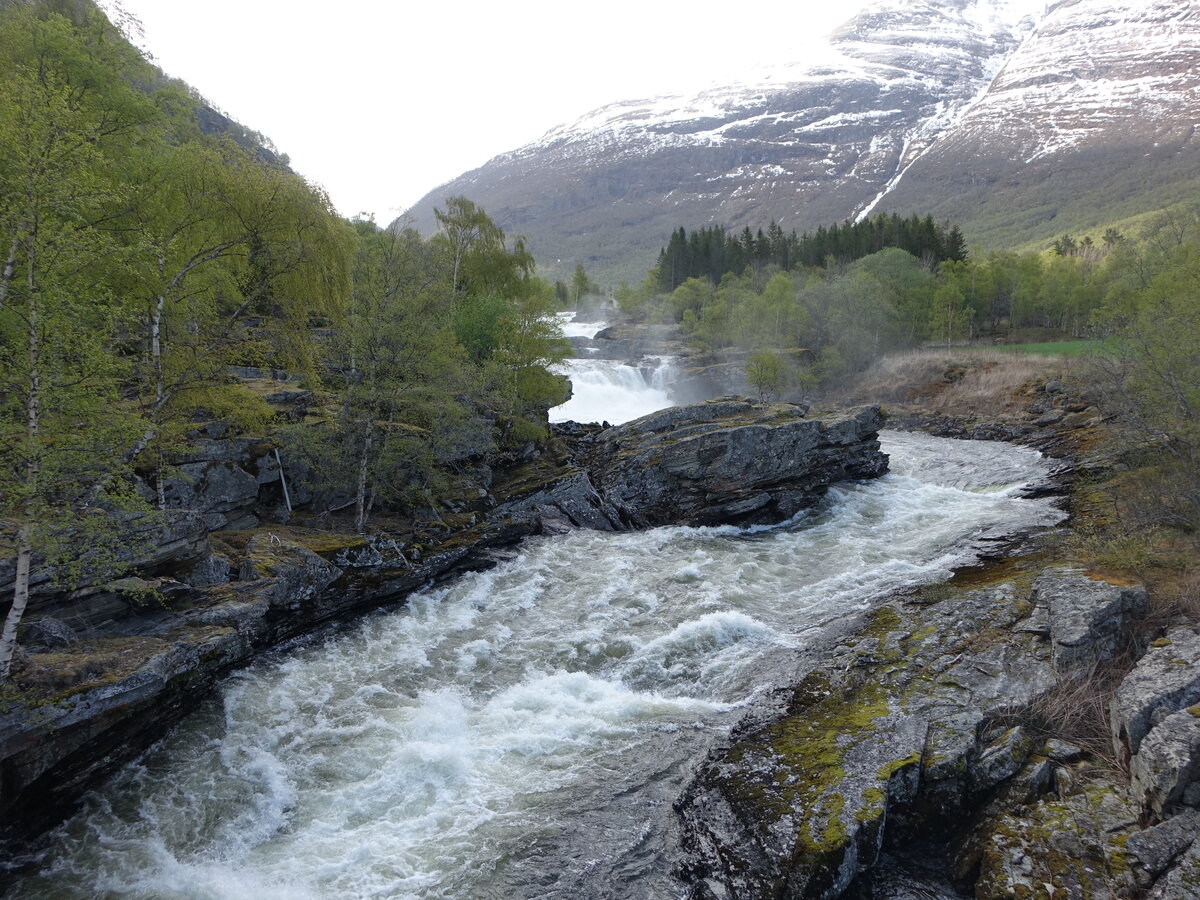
(1001, 114)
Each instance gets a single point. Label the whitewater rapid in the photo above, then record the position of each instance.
(608, 390)
(522, 732)
(571, 328)
(605, 390)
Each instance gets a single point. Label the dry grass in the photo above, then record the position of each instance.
(1076, 711)
(980, 381)
(1177, 600)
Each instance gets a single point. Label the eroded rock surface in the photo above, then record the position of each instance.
(1164, 681)
(732, 461)
(1183, 881)
(1166, 768)
(1087, 617)
(1068, 848)
(907, 729)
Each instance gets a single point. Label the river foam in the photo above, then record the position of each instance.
(522, 732)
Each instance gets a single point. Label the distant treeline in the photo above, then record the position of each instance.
(834, 318)
(711, 252)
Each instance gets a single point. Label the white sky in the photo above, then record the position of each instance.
(381, 102)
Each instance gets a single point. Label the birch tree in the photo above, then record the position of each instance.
(62, 108)
(399, 374)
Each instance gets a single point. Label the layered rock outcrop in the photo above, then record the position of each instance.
(920, 728)
(117, 663)
(731, 461)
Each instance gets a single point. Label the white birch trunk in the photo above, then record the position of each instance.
(360, 497)
(33, 405)
(10, 268)
(8, 642)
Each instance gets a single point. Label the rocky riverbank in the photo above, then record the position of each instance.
(106, 669)
(1026, 730)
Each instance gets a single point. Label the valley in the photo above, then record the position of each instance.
(788, 489)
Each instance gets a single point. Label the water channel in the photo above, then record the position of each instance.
(522, 732)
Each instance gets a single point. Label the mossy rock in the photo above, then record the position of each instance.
(1061, 848)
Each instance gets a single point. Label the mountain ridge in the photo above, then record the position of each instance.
(917, 107)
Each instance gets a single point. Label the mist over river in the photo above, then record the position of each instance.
(522, 732)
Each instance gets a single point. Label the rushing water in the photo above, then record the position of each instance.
(571, 328)
(521, 732)
(605, 390)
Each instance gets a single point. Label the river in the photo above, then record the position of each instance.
(522, 732)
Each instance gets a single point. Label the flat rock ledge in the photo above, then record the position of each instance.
(113, 671)
(909, 764)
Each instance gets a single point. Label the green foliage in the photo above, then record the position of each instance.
(479, 324)
(476, 257)
(431, 368)
(141, 257)
(581, 286)
(1063, 348)
(767, 373)
(712, 252)
(840, 315)
(1153, 367)
(531, 342)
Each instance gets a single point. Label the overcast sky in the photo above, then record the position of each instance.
(381, 102)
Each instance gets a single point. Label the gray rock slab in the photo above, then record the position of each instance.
(300, 574)
(220, 490)
(729, 460)
(571, 502)
(1167, 762)
(1165, 680)
(1155, 848)
(1086, 614)
(1183, 881)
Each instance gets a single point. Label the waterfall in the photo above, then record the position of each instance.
(571, 328)
(606, 390)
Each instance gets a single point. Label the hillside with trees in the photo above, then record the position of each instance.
(147, 262)
(836, 300)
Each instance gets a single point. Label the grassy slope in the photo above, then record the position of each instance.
(1026, 208)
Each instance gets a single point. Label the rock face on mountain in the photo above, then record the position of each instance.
(971, 109)
(1103, 95)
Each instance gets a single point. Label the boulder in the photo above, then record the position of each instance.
(731, 461)
(1167, 763)
(1164, 681)
(1183, 880)
(1086, 615)
(571, 502)
(999, 760)
(220, 490)
(299, 573)
(213, 569)
(1153, 849)
(220, 479)
(50, 632)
